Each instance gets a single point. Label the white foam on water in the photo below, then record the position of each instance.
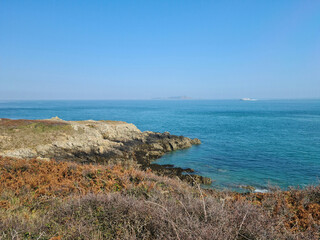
(260, 190)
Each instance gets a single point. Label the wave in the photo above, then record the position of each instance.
(257, 190)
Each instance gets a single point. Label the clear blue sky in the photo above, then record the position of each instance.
(145, 49)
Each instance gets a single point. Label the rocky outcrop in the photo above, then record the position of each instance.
(92, 142)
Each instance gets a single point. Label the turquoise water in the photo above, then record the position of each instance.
(261, 143)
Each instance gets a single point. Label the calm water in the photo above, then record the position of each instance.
(243, 143)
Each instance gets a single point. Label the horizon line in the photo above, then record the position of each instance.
(160, 99)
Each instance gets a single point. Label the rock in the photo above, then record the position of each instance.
(56, 118)
(248, 187)
(195, 141)
(43, 159)
(17, 153)
(91, 141)
(185, 174)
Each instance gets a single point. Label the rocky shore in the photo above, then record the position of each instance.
(90, 180)
(101, 142)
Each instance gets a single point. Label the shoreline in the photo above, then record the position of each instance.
(97, 142)
(75, 179)
(108, 142)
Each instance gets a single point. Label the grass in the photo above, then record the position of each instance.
(16, 134)
(60, 200)
(42, 127)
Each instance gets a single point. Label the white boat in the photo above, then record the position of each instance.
(248, 99)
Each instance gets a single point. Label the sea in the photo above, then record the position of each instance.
(264, 143)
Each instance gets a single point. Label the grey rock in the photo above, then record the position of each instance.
(89, 142)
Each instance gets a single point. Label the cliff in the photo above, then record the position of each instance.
(92, 142)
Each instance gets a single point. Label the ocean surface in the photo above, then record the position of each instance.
(259, 143)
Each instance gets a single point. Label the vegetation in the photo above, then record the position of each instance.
(60, 200)
(23, 133)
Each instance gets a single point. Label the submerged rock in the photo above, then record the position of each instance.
(196, 141)
(91, 142)
(248, 187)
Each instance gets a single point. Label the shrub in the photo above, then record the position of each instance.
(60, 200)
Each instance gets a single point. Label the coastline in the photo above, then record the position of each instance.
(250, 143)
(96, 180)
(98, 142)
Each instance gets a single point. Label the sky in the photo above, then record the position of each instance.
(148, 49)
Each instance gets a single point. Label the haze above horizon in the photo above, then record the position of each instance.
(159, 49)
